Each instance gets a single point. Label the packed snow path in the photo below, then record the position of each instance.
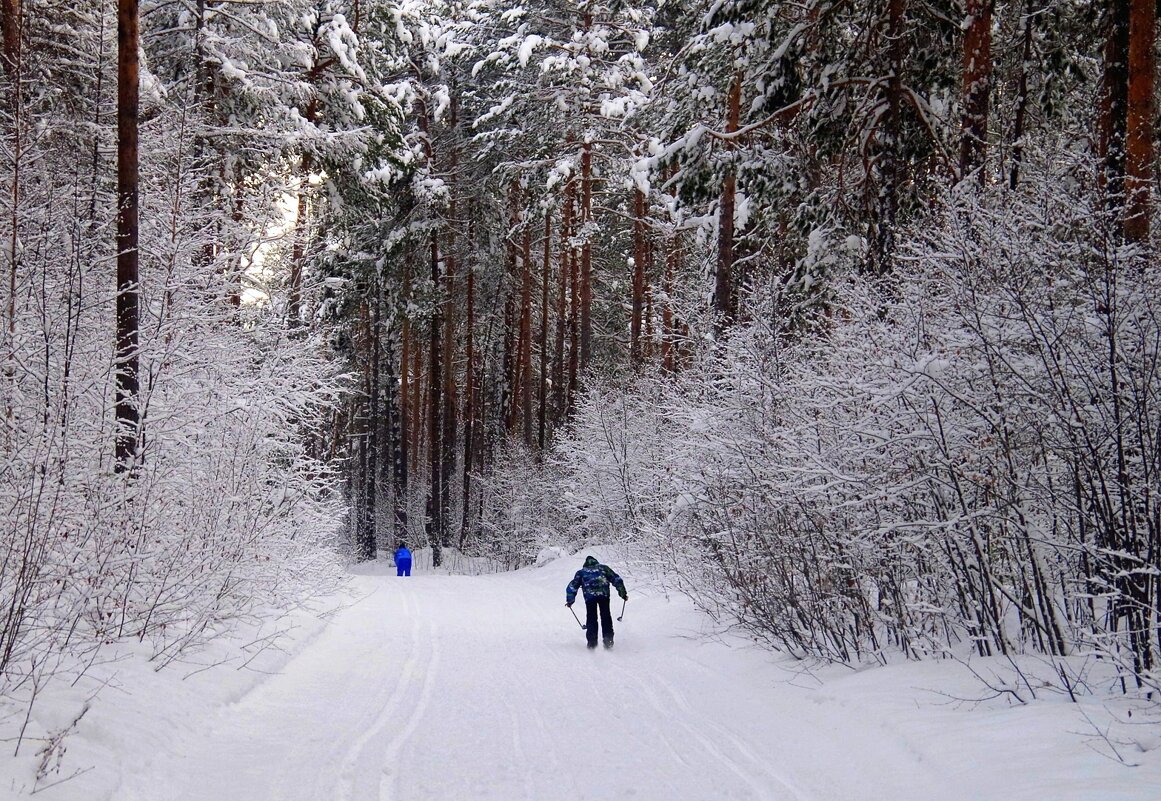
(442, 688)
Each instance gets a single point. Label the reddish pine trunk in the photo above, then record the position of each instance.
(586, 267)
(573, 333)
(545, 272)
(128, 418)
(558, 385)
(10, 16)
(524, 357)
(977, 71)
(435, 531)
(450, 394)
(672, 259)
(647, 342)
(469, 402)
(1139, 119)
(450, 390)
(415, 420)
(638, 283)
(511, 391)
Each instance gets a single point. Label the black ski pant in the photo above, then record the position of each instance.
(592, 605)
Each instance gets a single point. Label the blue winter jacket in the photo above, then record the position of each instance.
(402, 555)
(594, 578)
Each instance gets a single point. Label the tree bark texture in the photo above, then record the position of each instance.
(1021, 97)
(542, 387)
(397, 442)
(559, 391)
(10, 19)
(890, 138)
(586, 266)
(365, 530)
(638, 279)
(524, 355)
(450, 387)
(128, 291)
(724, 302)
(977, 78)
(435, 532)
(1114, 101)
(470, 426)
(672, 260)
(1139, 130)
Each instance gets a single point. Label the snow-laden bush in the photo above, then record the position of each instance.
(968, 454)
(520, 509)
(224, 515)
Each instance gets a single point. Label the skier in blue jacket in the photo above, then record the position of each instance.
(402, 561)
(595, 578)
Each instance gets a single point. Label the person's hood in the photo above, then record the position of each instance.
(591, 561)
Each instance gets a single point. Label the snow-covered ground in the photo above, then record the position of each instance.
(441, 687)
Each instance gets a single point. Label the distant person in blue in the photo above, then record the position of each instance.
(402, 561)
(595, 578)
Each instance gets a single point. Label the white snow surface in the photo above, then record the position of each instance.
(439, 687)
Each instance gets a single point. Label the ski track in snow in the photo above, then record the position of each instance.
(435, 688)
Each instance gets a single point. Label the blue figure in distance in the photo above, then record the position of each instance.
(402, 561)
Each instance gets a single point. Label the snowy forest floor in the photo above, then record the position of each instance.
(445, 687)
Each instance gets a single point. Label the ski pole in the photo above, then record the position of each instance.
(582, 625)
(623, 602)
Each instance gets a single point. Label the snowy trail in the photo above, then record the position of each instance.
(436, 688)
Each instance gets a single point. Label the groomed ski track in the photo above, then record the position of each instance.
(451, 688)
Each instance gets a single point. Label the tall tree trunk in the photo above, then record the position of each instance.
(365, 532)
(416, 410)
(10, 19)
(672, 259)
(724, 301)
(450, 398)
(1113, 122)
(436, 522)
(406, 410)
(648, 340)
(1021, 97)
(299, 247)
(559, 391)
(397, 442)
(469, 403)
(128, 291)
(542, 389)
(450, 389)
(890, 134)
(586, 266)
(573, 334)
(638, 281)
(524, 357)
(435, 532)
(512, 314)
(977, 72)
(507, 411)
(1139, 129)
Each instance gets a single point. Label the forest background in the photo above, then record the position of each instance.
(840, 314)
